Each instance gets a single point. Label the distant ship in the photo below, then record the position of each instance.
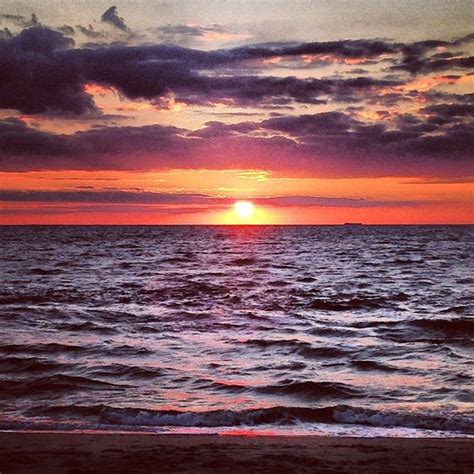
(353, 223)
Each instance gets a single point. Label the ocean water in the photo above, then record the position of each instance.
(344, 330)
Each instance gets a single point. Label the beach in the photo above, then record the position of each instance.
(53, 452)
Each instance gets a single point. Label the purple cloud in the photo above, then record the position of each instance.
(327, 144)
(111, 16)
(42, 72)
(187, 199)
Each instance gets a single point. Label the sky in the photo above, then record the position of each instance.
(169, 112)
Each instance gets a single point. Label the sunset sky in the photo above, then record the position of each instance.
(168, 112)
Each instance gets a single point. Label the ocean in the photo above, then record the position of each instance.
(323, 330)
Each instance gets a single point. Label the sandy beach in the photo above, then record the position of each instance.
(27, 452)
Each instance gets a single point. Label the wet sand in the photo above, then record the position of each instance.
(33, 452)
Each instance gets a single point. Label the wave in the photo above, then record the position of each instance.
(429, 330)
(126, 371)
(86, 327)
(359, 302)
(311, 390)
(293, 343)
(176, 260)
(49, 296)
(331, 331)
(278, 283)
(190, 289)
(373, 324)
(45, 271)
(54, 348)
(455, 309)
(464, 326)
(240, 262)
(54, 383)
(364, 416)
(407, 261)
(373, 365)
(34, 365)
(354, 303)
(11, 365)
(303, 348)
(306, 279)
(323, 352)
(23, 299)
(277, 415)
(224, 387)
(41, 349)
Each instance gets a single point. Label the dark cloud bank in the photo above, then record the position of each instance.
(329, 144)
(41, 72)
(187, 199)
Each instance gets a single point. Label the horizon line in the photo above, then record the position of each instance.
(239, 225)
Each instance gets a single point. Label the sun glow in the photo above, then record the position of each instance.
(244, 209)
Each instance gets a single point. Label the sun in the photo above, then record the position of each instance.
(244, 209)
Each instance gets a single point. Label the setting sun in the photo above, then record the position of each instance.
(244, 209)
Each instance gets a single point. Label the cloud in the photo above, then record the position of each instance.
(101, 148)
(416, 61)
(43, 72)
(115, 197)
(311, 126)
(417, 65)
(38, 40)
(448, 111)
(5, 34)
(188, 199)
(451, 142)
(188, 34)
(20, 20)
(111, 16)
(330, 144)
(291, 201)
(90, 32)
(35, 79)
(119, 208)
(340, 48)
(67, 30)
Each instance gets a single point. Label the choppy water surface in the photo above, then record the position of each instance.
(323, 330)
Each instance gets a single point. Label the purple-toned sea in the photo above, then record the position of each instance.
(342, 330)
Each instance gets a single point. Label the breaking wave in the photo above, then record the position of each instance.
(277, 415)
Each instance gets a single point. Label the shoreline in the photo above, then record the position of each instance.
(58, 452)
